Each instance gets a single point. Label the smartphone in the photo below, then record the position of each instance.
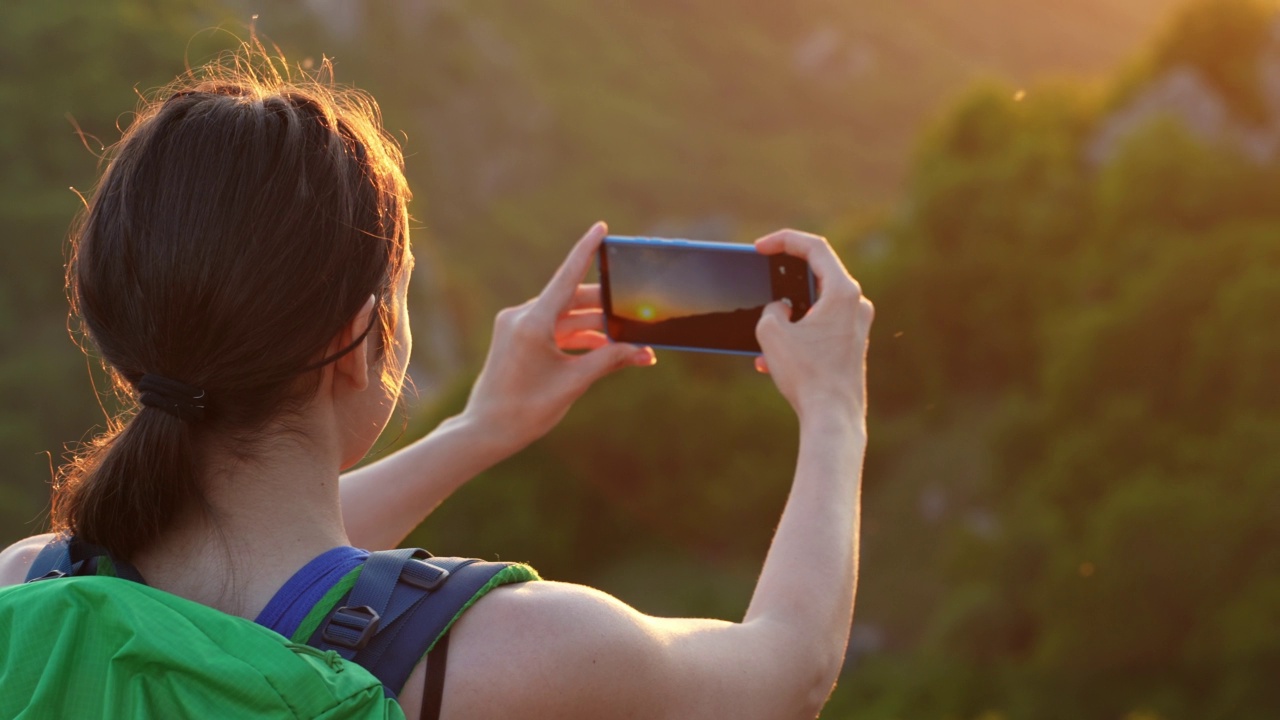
(695, 295)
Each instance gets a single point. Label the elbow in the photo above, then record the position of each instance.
(815, 671)
(822, 681)
(807, 662)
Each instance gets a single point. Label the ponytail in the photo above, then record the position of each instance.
(128, 485)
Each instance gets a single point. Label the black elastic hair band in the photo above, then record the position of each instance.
(187, 402)
(180, 400)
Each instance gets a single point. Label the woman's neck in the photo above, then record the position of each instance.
(263, 520)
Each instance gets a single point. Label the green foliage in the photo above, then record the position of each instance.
(1122, 319)
(999, 201)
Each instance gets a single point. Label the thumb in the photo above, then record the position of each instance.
(778, 310)
(612, 357)
(773, 318)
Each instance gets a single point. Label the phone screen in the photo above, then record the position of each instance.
(695, 295)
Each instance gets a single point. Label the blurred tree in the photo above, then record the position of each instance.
(1123, 314)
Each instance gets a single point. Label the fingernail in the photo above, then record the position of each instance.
(646, 357)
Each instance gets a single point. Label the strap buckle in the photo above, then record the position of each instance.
(422, 574)
(352, 627)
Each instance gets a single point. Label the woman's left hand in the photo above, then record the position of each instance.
(529, 382)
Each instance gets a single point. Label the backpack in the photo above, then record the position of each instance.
(86, 638)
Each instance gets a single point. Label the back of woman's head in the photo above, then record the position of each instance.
(243, 220)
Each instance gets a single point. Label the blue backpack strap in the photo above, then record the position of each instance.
(402, 603)
(71, 556)
(394, 653)
(54, 561)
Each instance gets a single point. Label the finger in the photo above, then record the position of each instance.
(612, 357)
(585, 340)
(778, 311)
(773, 318)
(586, 297)
(558, 293)
(812, 248)
(578, 321)
(762, 365)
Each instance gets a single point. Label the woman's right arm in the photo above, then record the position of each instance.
(566, 651)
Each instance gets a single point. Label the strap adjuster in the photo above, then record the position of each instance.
(422, 574)
(352, 627)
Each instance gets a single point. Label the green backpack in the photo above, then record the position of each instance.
(76, 644)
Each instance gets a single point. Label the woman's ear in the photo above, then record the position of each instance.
(353, 367)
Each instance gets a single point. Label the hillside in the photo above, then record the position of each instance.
(524, 122)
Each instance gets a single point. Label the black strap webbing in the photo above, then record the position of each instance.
(433, 691)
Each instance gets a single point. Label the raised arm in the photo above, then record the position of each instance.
(549, 650)
(819, 365)
(527, 385)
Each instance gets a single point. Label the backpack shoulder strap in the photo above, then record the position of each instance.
(53, 561)
(70, 556)
(403, 602)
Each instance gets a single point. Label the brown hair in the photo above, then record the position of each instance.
(243, 219)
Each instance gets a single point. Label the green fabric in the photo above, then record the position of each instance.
(101, 647)
(106, 566)
(321, 610)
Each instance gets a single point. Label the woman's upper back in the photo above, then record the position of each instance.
(555, 650)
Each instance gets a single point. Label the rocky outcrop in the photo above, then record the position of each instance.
(1184, 95)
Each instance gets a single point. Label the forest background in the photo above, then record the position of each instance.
(1068, 215)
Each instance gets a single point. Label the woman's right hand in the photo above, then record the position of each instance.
(529, 381)
(819, 362)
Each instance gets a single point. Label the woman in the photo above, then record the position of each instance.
(242, 270)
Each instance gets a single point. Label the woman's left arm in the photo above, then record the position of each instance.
(527, 385)
(384, 501)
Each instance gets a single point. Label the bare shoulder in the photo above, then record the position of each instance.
(556, 650)
(16, 559)
(547, 649)
(554, 605)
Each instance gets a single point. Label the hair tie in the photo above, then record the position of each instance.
(180, 400)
